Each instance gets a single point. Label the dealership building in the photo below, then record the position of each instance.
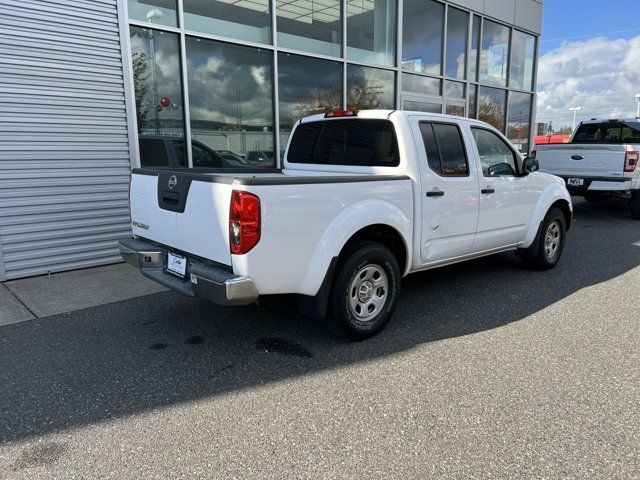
(93, 88)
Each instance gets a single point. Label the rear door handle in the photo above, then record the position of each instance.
(435, 193)
(487, 191)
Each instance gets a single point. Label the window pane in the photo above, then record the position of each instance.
(608, 133)
(426, 107)
(365, 143)
(371, 31)
(473, 54)
(518, 126)
(493, 106)
(522, 58)
(457, 110)
(495, 54)
(158, 93)
(422, 27)
(369, 88)
(457, 29)
(420, 84)
(496, 157)
(306, 86)
(230, 101)
(314, 27)
(247, 20)
(452, 153)
(431, 147)
(453, 89)
(473, 100)
(158, 12)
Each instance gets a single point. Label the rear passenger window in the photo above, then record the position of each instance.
(354, 142)
(431, 146)
(445, 149)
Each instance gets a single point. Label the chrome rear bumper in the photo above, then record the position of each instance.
(215, 283)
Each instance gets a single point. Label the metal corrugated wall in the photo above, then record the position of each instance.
(64, 145)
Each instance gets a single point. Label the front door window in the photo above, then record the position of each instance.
(496, 157)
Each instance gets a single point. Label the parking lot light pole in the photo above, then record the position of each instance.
(575, 110)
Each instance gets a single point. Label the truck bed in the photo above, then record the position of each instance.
(297, 208)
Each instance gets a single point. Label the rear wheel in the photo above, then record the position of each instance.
(365, 291)
(546, 251)
(635, 204)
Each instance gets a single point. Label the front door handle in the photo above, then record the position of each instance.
(487, 191)
(435, 193)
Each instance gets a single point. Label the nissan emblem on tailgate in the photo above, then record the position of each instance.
(173, 181)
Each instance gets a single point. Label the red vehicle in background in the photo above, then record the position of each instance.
(547, 139)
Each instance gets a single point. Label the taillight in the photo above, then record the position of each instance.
(341, 113)
(244, 222)
(631, 161)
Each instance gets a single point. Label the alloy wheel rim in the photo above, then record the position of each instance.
(368, 292)
(552, 239)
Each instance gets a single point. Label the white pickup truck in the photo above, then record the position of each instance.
(600, 160)
(364, 198)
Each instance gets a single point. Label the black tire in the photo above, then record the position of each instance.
(365, 260)
(543, 255)
(634, 203)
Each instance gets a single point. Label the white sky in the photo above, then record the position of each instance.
(599, 74)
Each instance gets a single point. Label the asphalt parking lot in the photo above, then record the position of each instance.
(487, 370)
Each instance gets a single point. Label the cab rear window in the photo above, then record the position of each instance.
(608, 132)
(352, 142)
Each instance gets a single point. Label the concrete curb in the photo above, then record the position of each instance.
(47, 295)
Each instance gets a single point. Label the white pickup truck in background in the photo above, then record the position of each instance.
(363, 199)
(600, 160)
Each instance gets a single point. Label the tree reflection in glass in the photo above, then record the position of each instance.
(306, 86)
(369, 88)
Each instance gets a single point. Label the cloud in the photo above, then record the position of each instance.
(164, 68)
(227, 82)
(600, 75)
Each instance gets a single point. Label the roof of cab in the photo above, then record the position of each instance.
(610, 120)
(384, 114)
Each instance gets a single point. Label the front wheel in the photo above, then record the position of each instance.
(546, 251)
(365, 291)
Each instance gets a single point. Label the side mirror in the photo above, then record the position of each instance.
(530, 164)
(500, 169)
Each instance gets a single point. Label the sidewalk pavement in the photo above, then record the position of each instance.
(38, 297)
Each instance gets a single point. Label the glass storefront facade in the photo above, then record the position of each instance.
(221, 82)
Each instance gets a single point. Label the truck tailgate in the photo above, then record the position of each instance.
(185, 211)
(569, 160)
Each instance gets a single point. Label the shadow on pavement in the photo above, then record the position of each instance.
(84, 367)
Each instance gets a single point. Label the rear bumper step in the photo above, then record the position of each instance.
(203, 280)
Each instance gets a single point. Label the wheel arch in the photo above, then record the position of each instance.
(565, 208)
(381, 233)
(554, 195)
